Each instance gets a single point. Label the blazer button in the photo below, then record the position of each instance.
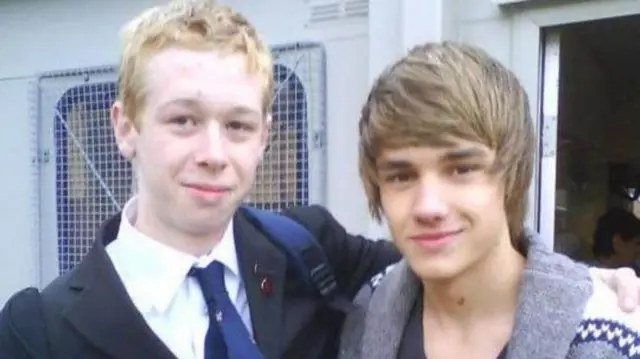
(266, 287)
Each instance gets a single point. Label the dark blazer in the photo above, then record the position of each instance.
(90, 315)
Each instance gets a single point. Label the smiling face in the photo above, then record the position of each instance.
(443, 205)
(198, 140)
(446, 155)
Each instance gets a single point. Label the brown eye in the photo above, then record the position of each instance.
(182, 121)
(398, 178)
(239, 126)
(461, 170)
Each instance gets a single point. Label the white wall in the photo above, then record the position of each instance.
(83, 33)
(482, 23)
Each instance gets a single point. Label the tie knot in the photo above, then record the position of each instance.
(195, 272)
(214, 268)
(210, 278)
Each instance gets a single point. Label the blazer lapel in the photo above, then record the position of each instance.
(553, 296)
(103, 312)
(263, 268)
(384, 327)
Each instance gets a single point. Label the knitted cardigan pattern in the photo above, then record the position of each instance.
(605, 331)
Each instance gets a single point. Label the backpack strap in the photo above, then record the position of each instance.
(304, 252)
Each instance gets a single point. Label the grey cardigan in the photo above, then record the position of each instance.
(561, 314)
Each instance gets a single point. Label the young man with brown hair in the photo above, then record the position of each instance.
(447, 149)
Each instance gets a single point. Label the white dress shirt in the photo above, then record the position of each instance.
(156, 278)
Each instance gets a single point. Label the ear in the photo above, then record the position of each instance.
(124, 131)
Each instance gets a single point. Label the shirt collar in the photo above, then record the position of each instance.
(154, 272)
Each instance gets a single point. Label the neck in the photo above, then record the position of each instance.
(487, 290)
(146, 220)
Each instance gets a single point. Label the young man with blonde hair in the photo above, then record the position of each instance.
(447, 149)
(185, 271)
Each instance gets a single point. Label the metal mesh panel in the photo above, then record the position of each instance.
(283, 179)
(91, 181)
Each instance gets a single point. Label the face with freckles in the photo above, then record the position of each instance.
(444, 206)
(197, 141)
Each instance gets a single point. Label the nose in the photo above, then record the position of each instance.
(212, 147)
(431, 204)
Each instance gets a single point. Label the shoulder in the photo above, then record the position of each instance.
(354, 324)
(20, 323)
(315, 218)
(20, 305)
(61, 285)
(552, 267)
(28, 301)
(377, 279)
(384, 284)
(605, 326)
(327, 231)
(385, 302)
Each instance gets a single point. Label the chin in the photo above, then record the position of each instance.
(206, 223)
(434, 271)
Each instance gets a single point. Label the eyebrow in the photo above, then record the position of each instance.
(189, 103)
(464, 154)
(389, 165)
(241, 111)
(454, 155)
(181, 101)
(229, 111)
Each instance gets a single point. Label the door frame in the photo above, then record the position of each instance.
(527, 44)
(548, 129)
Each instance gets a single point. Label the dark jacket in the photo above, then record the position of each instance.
(88, 313)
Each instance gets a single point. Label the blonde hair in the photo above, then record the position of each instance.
(191, 24)
(444, 91)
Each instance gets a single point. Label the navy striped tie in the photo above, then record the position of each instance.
(227, 336)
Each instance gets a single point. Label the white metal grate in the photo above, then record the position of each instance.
(82, 177)
(84, 180)
(283, 179)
